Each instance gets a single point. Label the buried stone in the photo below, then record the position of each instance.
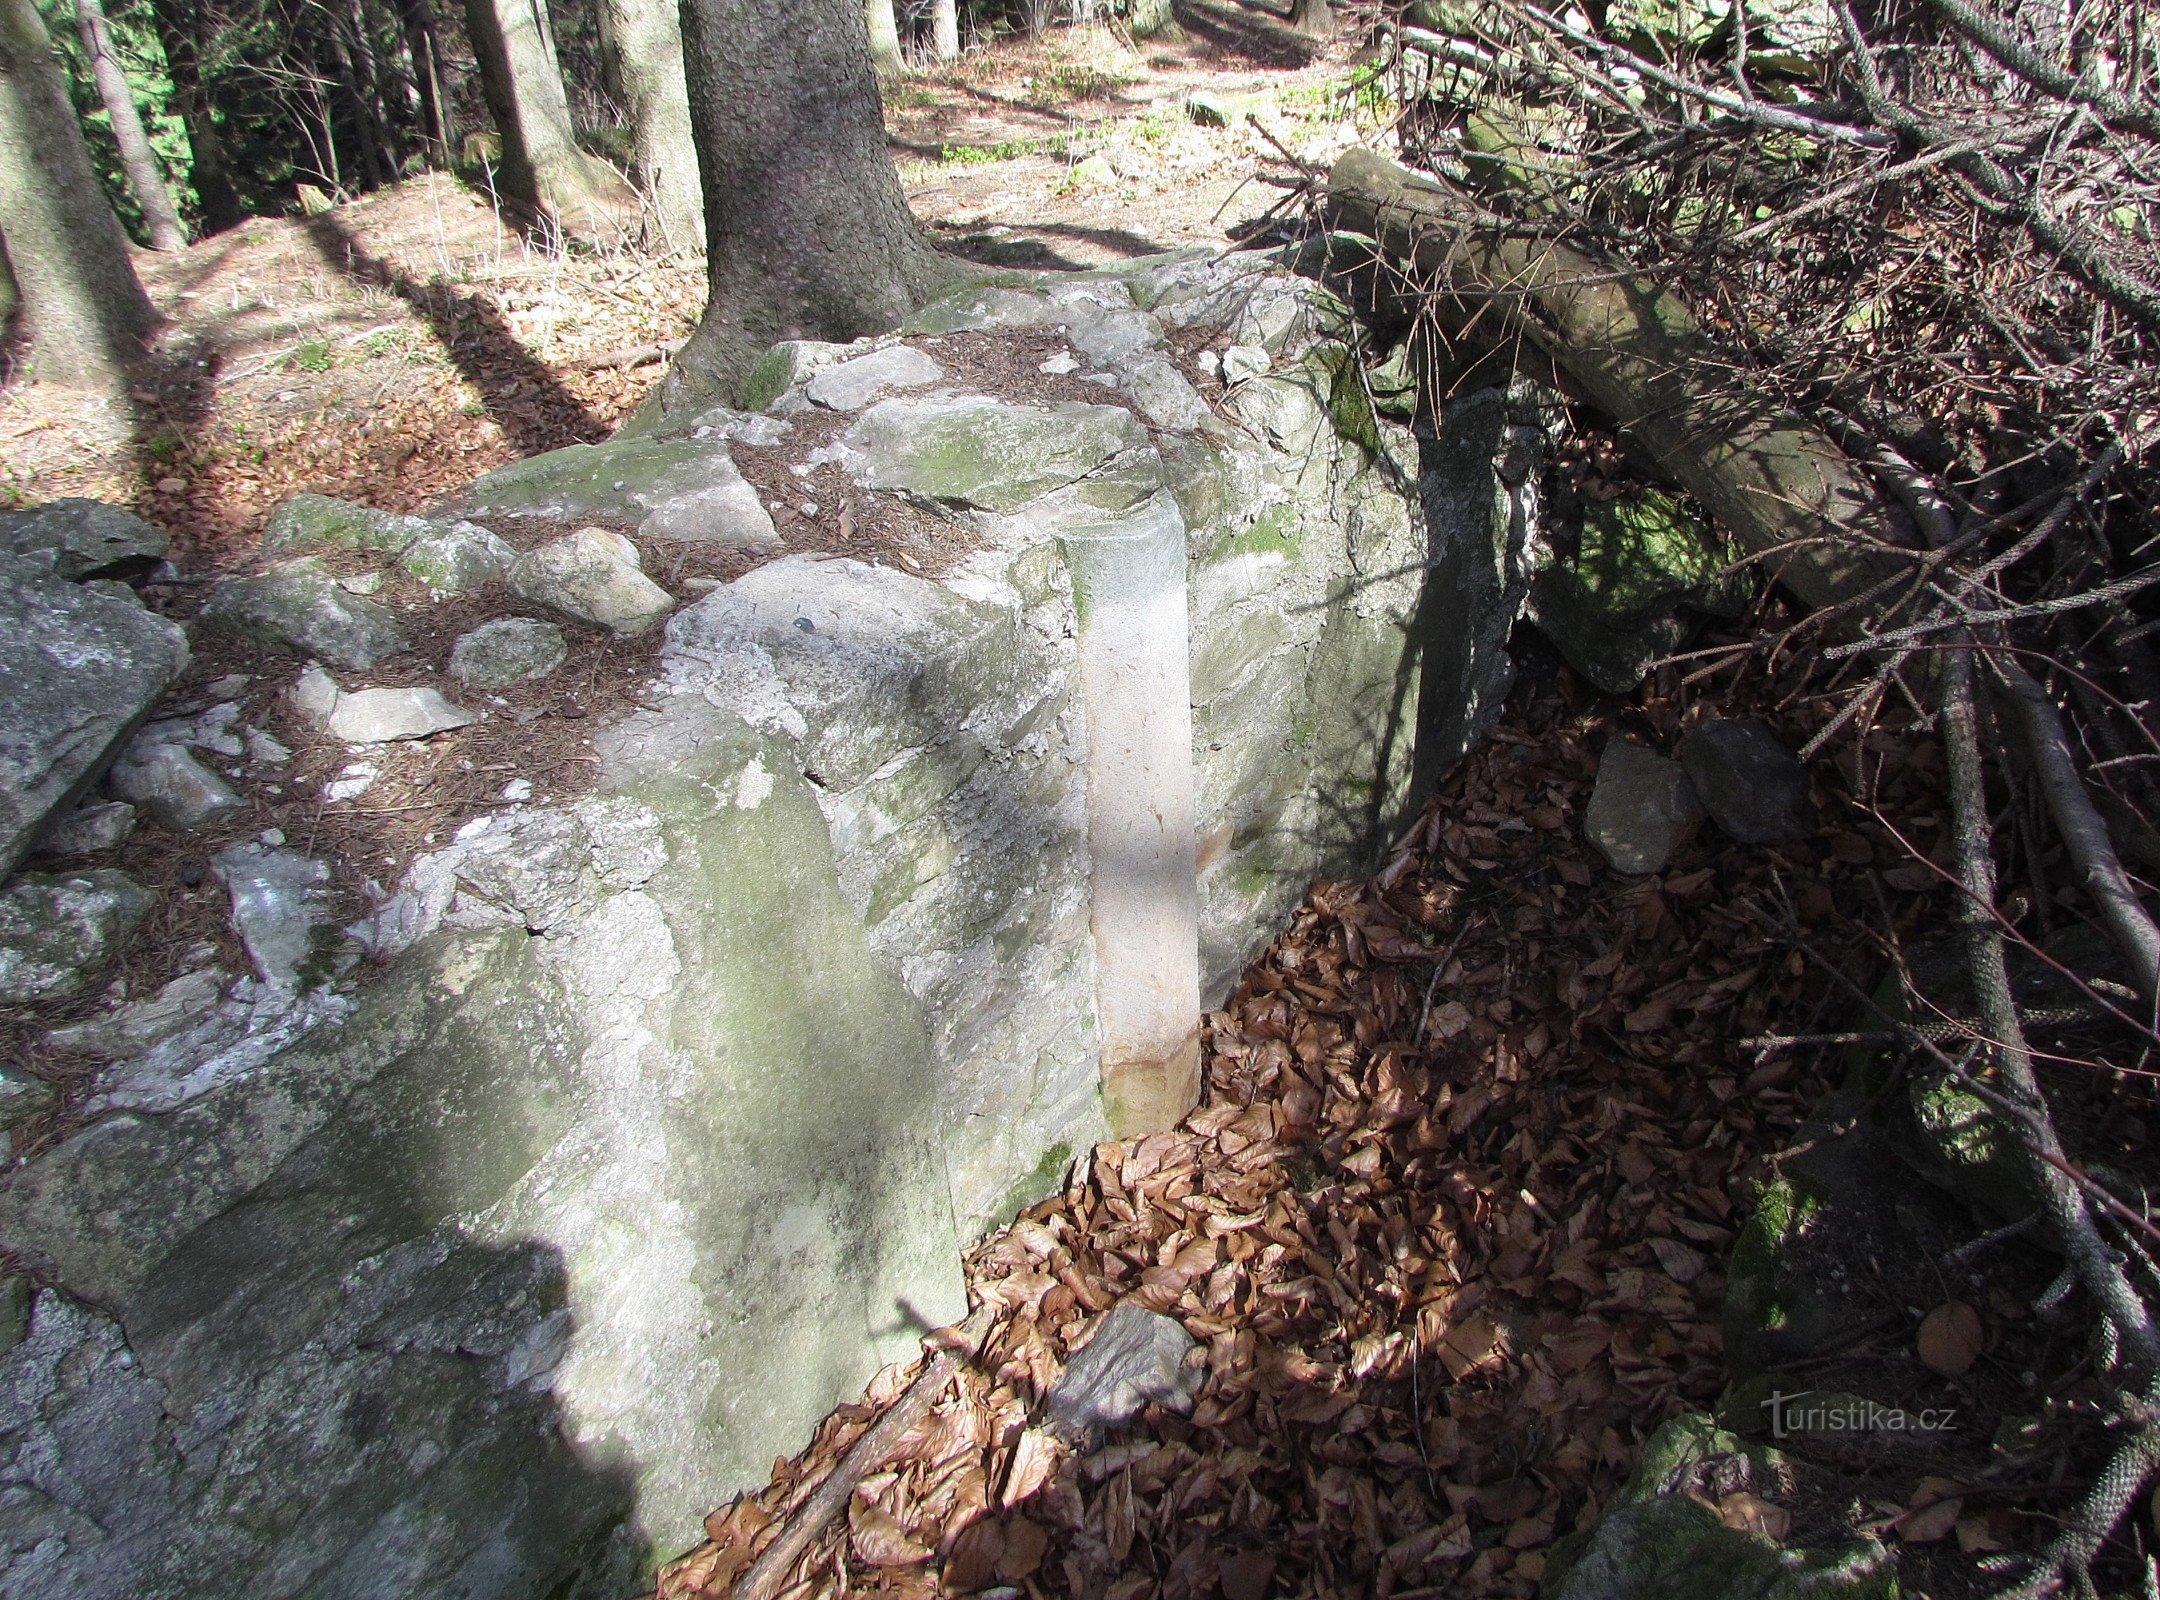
(1752, 786)
(506, 651)
(167, 781)
(56, 932)
(1641, 810)
(1135, 1358)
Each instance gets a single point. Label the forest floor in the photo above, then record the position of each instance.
(395, 348)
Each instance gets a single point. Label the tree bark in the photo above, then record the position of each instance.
(542, 166)
(807, 233)
(417, 18)
(884, 29)
(647, 35)
(945, 29)
(161, 220)
(1783, 489)
(1152, 19)
(88, 317)
(214, 194)
(1312, 18)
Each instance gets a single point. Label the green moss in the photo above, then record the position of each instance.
(769, 379)
(1040, 1184)
(1783, 1212)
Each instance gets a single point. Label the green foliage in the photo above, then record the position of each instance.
(313, 356)
(135, 47)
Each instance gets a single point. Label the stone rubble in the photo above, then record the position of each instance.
(1641, 810)
(507, 650)
(592, 576)
(58, 931)
(298, 608)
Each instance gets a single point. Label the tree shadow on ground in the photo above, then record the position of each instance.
(1257, 37)
(521, 394)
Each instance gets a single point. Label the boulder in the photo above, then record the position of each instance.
(1167, 399)
(92, 826)
(81, 669)
(379, 716)
(77, 538)
(1615, 606)
(506, 651)
(166, 780)
(310, 520)
(298, 608)
(686, 489)
(21, 1098)
(56, 932)
(983, 453)
(277, 899)
(457, 558)
(1641, 809)
(1752, 786)
(853, 384)
(132, 1028)
(592, 576)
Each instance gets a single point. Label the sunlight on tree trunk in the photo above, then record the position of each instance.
(808, 235)
(647, 36)
(176, 30)
(417, 18)
(1313, 18)
(542, 166)
(884, 32)
(88, 317)
(1152, 19)
(160, 220)
(945, 29)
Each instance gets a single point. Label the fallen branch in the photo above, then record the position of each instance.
(768, 1573)
(636, 355)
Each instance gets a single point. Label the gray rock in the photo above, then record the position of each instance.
(165, 780)
(592, 576)
(976, 310)
(1752, 786)
(77, 538)
(1164, 395)
(1242, 361)
(315, 694)
(456, 559)
(1109, 336)
(57, 931)
(277, 900)
(506, 651)
(136, 1026)
(298, 608)
(781, 368)
(81, 670)
(379, 716)
(980, 452)
(851, 385)
(1135, 1358)
(1642, 808)
(686, 489)
(21, 1098)
(92, 826)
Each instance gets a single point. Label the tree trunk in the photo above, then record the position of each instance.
(945, 29)
(648, 50)
(808, 235)
(1312, 18)
(542, 166)
(884, 31)
(1152, 19)
(160, 220)
(417, 17)
(87, 314)
(176, 25)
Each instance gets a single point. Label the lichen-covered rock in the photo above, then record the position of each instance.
(277, 900)
(592, 576)
(508, 650)
(298, 608)
(380, 716)
(21, 1098)
(77, 538)
(1641, 809)
(58, 931)
(309, 520)
(92, 826)
(683, 489)
(1662, 1538)
(983, 453)
(164, 779)
(456, 559)
(852, 384)
(1615, 606)
(81, 669)
(135, 1026)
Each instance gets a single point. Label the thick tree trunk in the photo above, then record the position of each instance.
(945, 29)
(417, 18)
(884, 30)
(214, 193)
(647, 35)
(807, 232)
(542, 166)
(87, 314)
(1152, 19)
(1312, 18)
(137, 160)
